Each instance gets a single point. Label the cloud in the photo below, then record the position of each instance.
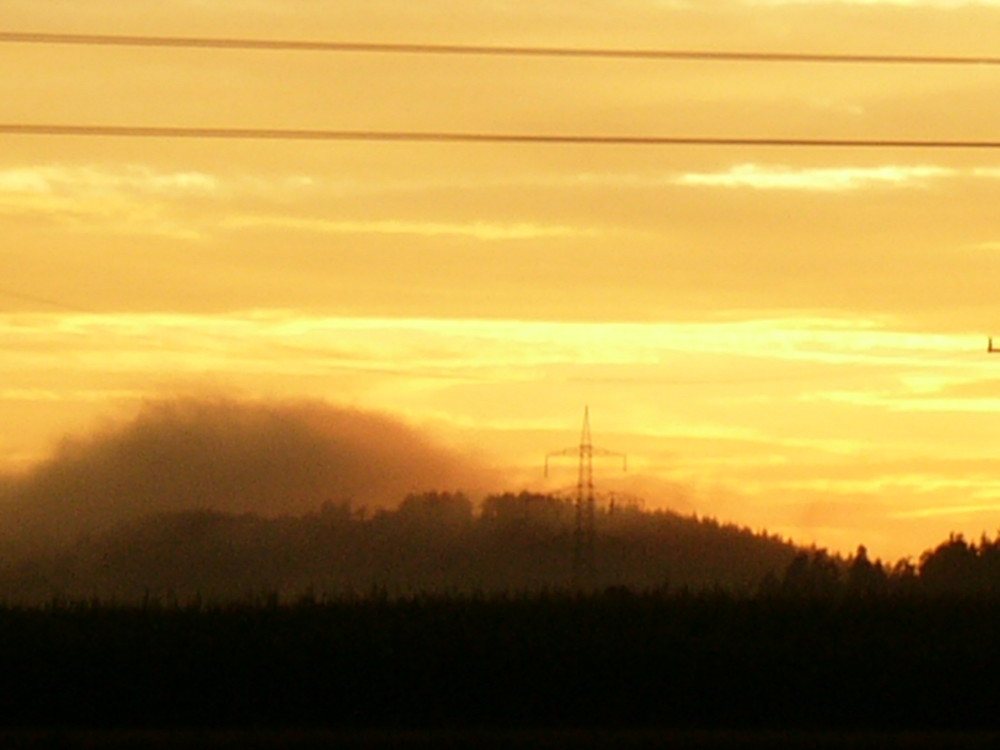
(829, 179)
(133, 198)
(265, 457)
(96, 180)
(901, 3)
(479, 230)
(130, 199)
(948, 511)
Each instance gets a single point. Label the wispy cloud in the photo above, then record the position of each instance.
(901, 3)
(904, 399)
(480, 230)
(947, 511)
(583, 354)
(134, 199)
(97, 180)
(829, 179)
(94, 200)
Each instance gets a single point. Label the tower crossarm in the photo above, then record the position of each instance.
(585, 450)
(574, 451)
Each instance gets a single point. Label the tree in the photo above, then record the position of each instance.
(864, 578)
(815, 576)
(440, 509)
(950, 568)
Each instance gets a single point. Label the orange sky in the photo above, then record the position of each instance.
(786, 338)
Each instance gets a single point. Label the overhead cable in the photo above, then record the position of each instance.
(430, 136)
(287, 45)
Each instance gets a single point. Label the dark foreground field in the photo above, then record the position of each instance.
(456, 672)
(488, 740)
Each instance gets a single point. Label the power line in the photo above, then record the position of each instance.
(232, 43)
(433, 136)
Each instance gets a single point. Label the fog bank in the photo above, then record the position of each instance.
(264, 457)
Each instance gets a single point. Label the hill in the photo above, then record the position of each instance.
(431, 543)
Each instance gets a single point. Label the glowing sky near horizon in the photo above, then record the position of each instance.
(790, 339)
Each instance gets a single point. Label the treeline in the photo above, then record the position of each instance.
(443, 543)
(955, 568)
(436, 542)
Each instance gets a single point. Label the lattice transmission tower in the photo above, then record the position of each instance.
(584, 528)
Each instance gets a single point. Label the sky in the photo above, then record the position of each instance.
(791, 339)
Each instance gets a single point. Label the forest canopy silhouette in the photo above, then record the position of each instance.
(229, 499)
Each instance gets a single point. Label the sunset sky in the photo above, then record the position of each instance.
(786, 338)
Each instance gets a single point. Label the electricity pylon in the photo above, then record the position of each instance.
(584, 532)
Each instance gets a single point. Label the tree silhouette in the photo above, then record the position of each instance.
(956, 567)
(864, 578)
(812, 576)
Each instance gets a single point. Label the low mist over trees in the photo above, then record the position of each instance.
(269, 458)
